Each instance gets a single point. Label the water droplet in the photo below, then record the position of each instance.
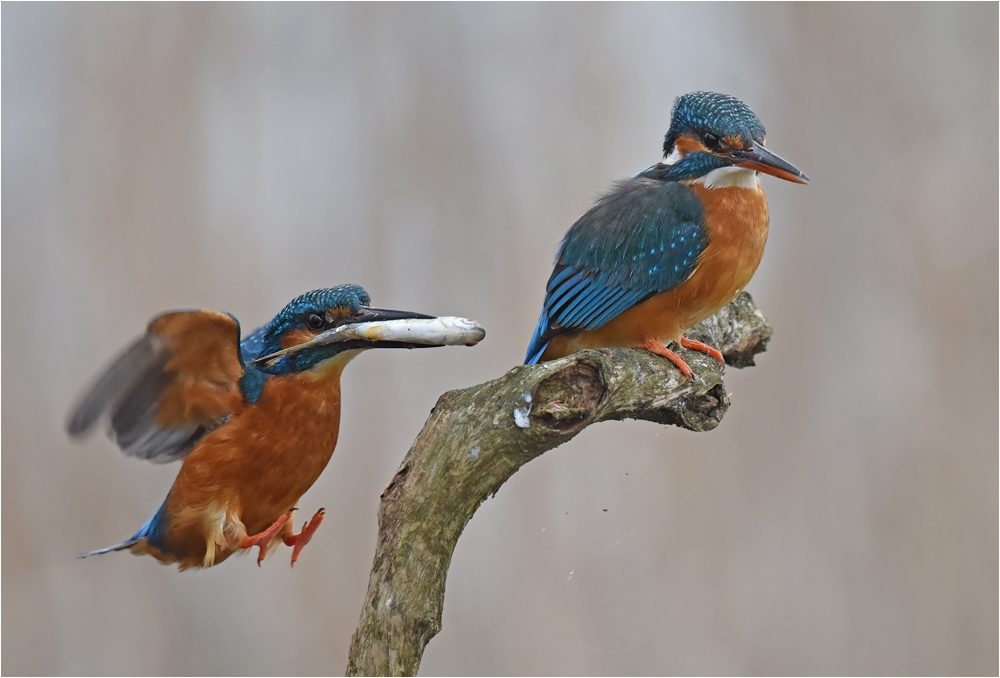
(474, 452)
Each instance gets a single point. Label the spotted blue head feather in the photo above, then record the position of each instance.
(723, 115)
(294, 315)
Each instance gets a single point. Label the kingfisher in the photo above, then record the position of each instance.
(255, 421)
(669, 247)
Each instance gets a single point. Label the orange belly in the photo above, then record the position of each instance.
(736, 220)
(243, 476)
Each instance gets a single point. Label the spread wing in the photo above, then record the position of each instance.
(172, 386)
(642, 239)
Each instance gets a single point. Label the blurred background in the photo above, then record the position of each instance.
(841, 520)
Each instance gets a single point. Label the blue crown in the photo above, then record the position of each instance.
(721, 114)
(294, 314)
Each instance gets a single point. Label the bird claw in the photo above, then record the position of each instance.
(263, 539)
(661, 350)
(704, 348)
(303, 537)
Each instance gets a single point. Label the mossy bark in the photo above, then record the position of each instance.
(477, 438)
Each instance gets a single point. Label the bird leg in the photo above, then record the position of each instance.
(297, 541)
(704, 348)
(264, 539)
(659, 349)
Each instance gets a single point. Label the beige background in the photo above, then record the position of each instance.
(843, 519)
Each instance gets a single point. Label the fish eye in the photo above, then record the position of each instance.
(315, 321)
(710, 140)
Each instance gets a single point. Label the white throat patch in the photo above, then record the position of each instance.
(674, 156)
(724, 177)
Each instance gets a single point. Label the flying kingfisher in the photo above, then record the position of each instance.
(255, 421)
(669, 247)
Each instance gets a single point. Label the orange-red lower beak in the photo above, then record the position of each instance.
(759, 158)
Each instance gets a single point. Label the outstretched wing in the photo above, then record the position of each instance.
(640, 240)
(170, 387)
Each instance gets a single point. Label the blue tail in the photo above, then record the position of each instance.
(150, 532)
(117, 547)
(538, 345)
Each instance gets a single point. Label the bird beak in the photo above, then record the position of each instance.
(759, 158)
(382, 328)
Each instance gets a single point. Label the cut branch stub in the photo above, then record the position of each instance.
(477, 438)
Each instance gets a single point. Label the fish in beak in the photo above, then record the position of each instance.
(382, 328)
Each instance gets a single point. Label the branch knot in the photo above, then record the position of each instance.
(565, 401)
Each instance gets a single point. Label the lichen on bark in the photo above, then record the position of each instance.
(477, 438)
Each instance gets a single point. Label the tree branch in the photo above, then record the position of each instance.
(477, 438)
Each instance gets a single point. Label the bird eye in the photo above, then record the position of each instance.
(315, 321)
(710, 140)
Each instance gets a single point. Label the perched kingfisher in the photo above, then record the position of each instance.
(255, 421)
(669, 247)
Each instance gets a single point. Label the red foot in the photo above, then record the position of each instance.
(656, 347)
(297, 541)
(264, 539)
(704, 348)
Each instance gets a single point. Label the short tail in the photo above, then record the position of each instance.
(538, 345)
(117, 547)
(150, 532)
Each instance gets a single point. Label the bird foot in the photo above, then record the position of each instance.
(704, 348)
(297, 541)
(659, 349)
(264, 539)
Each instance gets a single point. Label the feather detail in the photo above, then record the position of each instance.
(169, 388)
(642, 239)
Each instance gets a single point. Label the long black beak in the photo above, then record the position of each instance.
(759, 158)
(374, 315)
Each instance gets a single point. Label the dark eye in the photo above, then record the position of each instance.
(710, 140)
(315, 321)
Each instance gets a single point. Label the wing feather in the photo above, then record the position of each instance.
(172, 386)
(642, 239)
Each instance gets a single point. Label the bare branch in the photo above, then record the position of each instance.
(477, 438)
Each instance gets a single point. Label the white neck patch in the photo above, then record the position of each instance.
(673, 158)
(725, 177)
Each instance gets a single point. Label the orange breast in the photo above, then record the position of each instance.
(255, 467)
(736, 219)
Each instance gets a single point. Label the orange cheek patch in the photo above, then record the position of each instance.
(734, 142)
(688, 144)
(296, 337)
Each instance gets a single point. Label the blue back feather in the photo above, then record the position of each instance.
(642, 239)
